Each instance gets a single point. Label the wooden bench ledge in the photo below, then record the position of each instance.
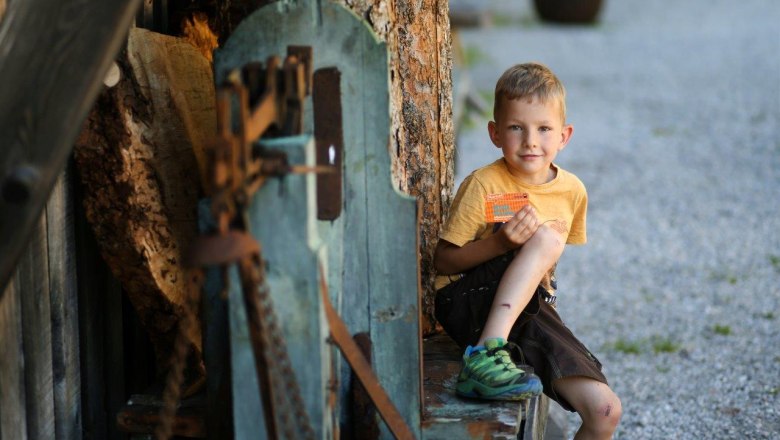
(447, 416)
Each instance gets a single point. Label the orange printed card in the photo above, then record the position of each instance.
(501, 207)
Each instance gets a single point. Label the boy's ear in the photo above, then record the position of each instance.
(493, 132)
(566, 133)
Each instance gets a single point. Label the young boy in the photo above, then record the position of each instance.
(496, 282)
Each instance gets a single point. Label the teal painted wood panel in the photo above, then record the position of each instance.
(371, 256)
(282, 217)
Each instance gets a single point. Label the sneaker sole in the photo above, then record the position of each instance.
(473, 389)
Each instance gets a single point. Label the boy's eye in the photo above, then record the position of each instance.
(515, 127)
(543, 128)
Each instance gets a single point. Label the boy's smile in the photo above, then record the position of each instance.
(530, 133)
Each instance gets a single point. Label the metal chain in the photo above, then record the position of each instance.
(279, 360)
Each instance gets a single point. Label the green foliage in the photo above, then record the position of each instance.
(663, 131)
(656, 343)
(627, 347)
(724, 276)
(489, 97)
(775, 261)
(724, 330)
(473, 55)
(664, 345)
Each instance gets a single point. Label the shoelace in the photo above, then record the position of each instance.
(502, 358)
(515, 352)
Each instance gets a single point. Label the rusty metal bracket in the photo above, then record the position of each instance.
(329, 141)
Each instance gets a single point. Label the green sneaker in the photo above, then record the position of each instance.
(489, 373)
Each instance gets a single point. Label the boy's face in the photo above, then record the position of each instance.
(530, 133)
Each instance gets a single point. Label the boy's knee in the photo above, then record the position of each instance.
(605, 416)
(612, 411)
(549, 240)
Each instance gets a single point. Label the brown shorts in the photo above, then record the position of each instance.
(546, 344)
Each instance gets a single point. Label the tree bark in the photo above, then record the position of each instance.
(137, 159)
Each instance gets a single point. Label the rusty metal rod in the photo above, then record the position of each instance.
(362, 369)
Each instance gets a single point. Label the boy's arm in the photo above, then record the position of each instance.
(450, 258)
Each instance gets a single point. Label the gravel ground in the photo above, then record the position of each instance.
(676, 114)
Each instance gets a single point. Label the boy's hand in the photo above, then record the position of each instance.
(519, 228)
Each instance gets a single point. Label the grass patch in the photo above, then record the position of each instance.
(774, 260)
(724, 330)
(627, 347)
(724, 277)
(768, 315)
(774, 391)
(663, 131)
(661, 369)
(657, 344)
(664, 345)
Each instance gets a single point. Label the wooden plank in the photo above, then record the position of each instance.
(283, 218)
(64, 309)
(391, 231)
(447, 416)
(12, 395)
(535, 418)
(33, 284)
(55, 53)
(283, 222)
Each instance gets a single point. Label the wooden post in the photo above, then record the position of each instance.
(60, 221)
(32, 279)
(12, 394)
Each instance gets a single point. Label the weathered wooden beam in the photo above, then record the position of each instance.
(32, 280)
(53, 56)
(64, 308)
(12, 396)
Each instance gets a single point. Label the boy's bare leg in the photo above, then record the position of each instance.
(520, 280)
(597, 405)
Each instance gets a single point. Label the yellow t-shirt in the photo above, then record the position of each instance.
(562, 201)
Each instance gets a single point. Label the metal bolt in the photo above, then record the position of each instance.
(18, 184)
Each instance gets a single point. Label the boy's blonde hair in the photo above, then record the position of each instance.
(530, 80)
